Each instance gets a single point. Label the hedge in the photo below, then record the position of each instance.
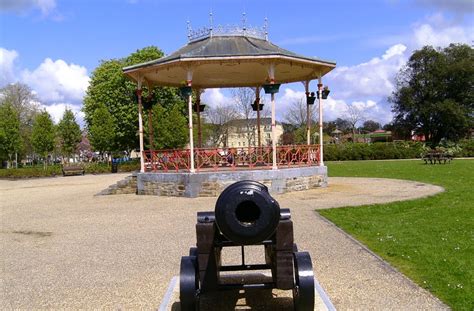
(392, 150)
(55, 170)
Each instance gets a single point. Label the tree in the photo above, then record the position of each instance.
(42, 136)
(69, 133)
(102, 130)
(297, 113)
(10, 135)
(26, 104)
(218, 119)
(244, 98)
(434, 94)
(343, 125)
(371, 126)
(354, 115)
(170, 126)
(110, 87)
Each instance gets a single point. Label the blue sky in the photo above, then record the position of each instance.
(54, 45)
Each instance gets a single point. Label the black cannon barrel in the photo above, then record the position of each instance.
(246, 213)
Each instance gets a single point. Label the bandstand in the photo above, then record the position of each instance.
(227, 57)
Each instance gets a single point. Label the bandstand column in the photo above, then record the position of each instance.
(320, 94)
(198, 113)
(308, 114)
(257, 104)
(140, 124)
(274, 153)
(190, 116)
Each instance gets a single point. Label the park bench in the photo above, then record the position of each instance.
(437, 156)
(70, 170)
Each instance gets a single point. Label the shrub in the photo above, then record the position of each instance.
(55, 170)
(375, 151)
(32, 171)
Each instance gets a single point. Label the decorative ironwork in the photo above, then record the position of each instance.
(221, 159)
(227, 30)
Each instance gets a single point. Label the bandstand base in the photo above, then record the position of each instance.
(206, 184)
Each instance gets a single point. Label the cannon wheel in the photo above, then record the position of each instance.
(188, 283)
(303, 292)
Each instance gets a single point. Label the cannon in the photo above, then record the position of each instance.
(245, 214)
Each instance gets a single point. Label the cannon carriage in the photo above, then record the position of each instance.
(245, 214)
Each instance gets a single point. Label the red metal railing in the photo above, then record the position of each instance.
(215, 159)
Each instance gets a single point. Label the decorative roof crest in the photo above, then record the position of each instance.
(228, 30)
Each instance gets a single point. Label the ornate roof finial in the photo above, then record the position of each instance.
(188, 25)
(265, 28)
(244, 21)
(211, 22)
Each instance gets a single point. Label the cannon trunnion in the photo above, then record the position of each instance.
(246, 214)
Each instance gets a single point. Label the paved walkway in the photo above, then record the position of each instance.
(63, 247)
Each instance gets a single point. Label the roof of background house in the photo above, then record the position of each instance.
(251, 122)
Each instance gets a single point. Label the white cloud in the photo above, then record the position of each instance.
(283, 102)
(25, 6)
(334, 108)
(56, 84)
(7, 65)
(56, 110)
(57, 81)
(374, 78)
(215, 97)
(426, 34)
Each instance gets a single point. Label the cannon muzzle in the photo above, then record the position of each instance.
(246, 213)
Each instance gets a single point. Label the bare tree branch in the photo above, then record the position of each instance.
(218, 117)
(297, 113)
(354, 115)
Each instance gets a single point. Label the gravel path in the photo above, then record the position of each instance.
(64, 247)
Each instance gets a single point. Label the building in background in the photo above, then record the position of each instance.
(244, 133)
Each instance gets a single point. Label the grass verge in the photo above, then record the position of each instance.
(431, 240)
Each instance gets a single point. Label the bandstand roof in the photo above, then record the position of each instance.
(229, 60)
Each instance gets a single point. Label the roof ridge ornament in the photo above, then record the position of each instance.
(228, 30)
(211, 23)
(265, 28)
(190, 30)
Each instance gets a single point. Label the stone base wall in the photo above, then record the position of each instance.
(211, 184)
(128, 185)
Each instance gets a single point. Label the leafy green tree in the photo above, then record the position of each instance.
(21, 97)
(434, 95)
(69, 133)
(10, 135)
(371, 126)
(102, 130)
(343, 125)
(170, 127)
(43, 135)
(111, 88)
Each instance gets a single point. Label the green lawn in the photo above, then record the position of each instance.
(430, 240)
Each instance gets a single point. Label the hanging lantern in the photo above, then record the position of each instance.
(271, 88)
(257, 106)
(186, 91)
(148, 102)
(325, 92)
(310, 99)
(201, 108)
